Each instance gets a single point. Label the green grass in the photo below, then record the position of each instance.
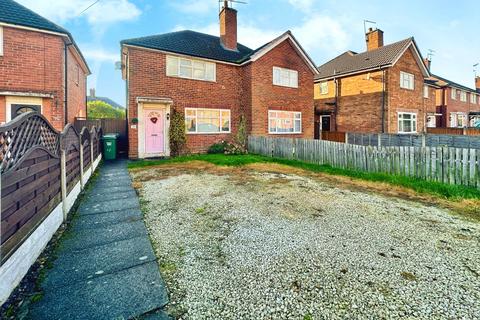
(451, 192)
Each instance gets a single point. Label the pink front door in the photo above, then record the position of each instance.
(154, 132)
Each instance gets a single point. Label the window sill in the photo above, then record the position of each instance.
(207, 133)
(281, 133)
(187, 78)
(279, 85)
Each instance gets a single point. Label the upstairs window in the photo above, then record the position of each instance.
(407, 80)
(407, 122)
(473, 98)
(1, 41)
(191, 69)
(425, 92)
(463, 96)
(324, 87)
(285, 77)
(453, 94)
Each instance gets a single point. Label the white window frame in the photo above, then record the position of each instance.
(1, 41)
(463, 96)
(453, 93)
(172, 71)
(426, 92)
(415, 119)
(405, 76)
(280, 74)
(209, 109)
(473, 98)
(324, 87)
(294, 113)
(454, 119)
(431, 116)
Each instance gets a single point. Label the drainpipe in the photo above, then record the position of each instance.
(335, 80)
(65, 96)
(383, 101)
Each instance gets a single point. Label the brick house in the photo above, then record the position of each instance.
(380, 90)
(457, 106)
(41, 67)
(215, 81)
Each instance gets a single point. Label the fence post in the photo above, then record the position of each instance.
(81, 162)
(379, 140)
(63, 182)
(91, 153)
(424, 140)
(346, 137)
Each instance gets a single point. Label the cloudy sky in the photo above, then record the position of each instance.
(325, 28)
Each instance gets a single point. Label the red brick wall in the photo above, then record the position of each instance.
(147, 78)
(34, 62)
(404, 100)
(266, 96)
(458, 105)
(77, 87)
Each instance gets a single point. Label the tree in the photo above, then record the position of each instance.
(99, 109)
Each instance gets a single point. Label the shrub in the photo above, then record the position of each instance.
(217, 148)
(177, 133)
(241, 136)
(226, 148)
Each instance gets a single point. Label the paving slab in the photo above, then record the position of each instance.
(122, 194)
(89, 207)
(83, 265)
(122, 295)
(104, 220)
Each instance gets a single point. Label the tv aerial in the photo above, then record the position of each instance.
(228, 3)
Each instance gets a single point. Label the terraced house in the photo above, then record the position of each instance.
(41, 67)
(379, 90)
(215, 81)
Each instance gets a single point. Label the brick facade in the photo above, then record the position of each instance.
(33, 62)
(361, 98)
(244, 90)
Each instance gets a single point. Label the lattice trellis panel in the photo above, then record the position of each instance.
(23, 133)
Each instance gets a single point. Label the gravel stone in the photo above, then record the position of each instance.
(263, 245)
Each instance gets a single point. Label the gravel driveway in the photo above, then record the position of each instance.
(256, 244)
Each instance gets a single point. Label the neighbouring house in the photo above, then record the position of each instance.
(214, 81)
(379, 90)
(93, 97)
(41, 67)
(457, 106)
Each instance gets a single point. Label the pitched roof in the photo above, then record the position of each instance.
(445, 82)
(14, 13)
(193, 44)
(106, 100)
(351, 62)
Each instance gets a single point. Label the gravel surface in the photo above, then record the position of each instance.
(260, 245)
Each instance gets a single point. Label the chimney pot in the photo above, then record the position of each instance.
(374, 39)
(228, 27)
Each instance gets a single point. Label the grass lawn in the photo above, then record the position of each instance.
(451, 192)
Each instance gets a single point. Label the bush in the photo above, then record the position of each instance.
(227, 148)
(177, 133)
(217, 148)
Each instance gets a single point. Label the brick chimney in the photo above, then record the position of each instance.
(477, 83)
(228, 27)
(374, 39)
(428, 63)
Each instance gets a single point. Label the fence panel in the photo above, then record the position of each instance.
(108, 126)
(459, 166)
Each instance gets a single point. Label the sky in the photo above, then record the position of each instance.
(325, 28)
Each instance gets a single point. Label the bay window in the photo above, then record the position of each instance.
(198, 120)
(284, 122)
(190, 68)
(407, 122)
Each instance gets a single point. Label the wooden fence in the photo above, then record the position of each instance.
(42, 173)
(108, 126)
(455, 131)
(336, 136)
(442, 164)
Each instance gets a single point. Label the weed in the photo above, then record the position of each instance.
(408, 276)
(308, 316)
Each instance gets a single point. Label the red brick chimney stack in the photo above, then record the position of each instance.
(228, 27)
(374, 39)
(477, 83)
(428, 63)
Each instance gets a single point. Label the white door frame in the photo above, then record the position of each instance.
(325, 116)
(161, 107)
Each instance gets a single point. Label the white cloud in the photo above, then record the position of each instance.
(302, 5)
(102, 13)
(100, 54)
(195, 6)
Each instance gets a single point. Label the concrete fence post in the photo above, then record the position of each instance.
(424, 140)
(346, 137)
(81, 163)
(63, 182)
(379, 140)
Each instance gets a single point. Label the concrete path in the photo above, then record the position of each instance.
(105, 266)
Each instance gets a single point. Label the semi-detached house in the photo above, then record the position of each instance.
(215, 81)
(379, 90)
(41, 68)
